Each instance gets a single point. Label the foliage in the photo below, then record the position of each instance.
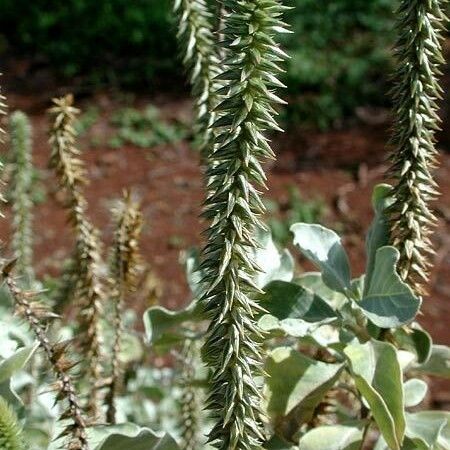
(125, 266)
(363, 360)
(420, 27)
(339, 52)
(319, 360)
(118, 41)
(339, 55)
(143, 129)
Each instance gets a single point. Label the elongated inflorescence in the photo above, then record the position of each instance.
(36, 315)
(126, 263)
(11, 437)
(3, 110)
(22, 204)
(86, 266)
(244, 114)
(415, 94)
(195, 36)
(190, 399)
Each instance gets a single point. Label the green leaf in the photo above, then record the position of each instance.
(288, 300)
(389, 302)
(427, 429)
(378, 378)
(164, 327)
(379, 231)
(130, 437)
(333, 437)
(273, 264)
(16, 362)
(295, 386)
(439, 362)
(415, 392)
(323, 247)
(415, 340)
(314, 282)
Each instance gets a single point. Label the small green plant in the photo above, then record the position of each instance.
(143, 129)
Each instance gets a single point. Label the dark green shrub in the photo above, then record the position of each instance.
(339, 51)
(339, 48)
(126, 41)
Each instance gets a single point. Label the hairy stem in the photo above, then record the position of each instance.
(34, 314)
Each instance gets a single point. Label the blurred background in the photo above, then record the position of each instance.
(120, 59)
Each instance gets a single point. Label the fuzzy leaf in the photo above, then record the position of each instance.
(378, 378)
(428, 429)
(314, 282)
(131, 437)
(415, 392)
(388, 302)
(273, 264)
(416, 340)
(295, 386)
(164, 327)
(333, 437)
(438, 363)
(288, 300)
(379, 231)
(323, 247)
(16, 362)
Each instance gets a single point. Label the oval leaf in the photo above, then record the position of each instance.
(415, 392)
(439, 362)
(295, 386)
(379, 232)
(389, 302)
(16, 362)
(324, 248)
(130, 437)
(289, 300)
(164, 327)
(378, 378)
(333, 437)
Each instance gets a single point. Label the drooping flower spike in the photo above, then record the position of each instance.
(245, 112)
(414, 156)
